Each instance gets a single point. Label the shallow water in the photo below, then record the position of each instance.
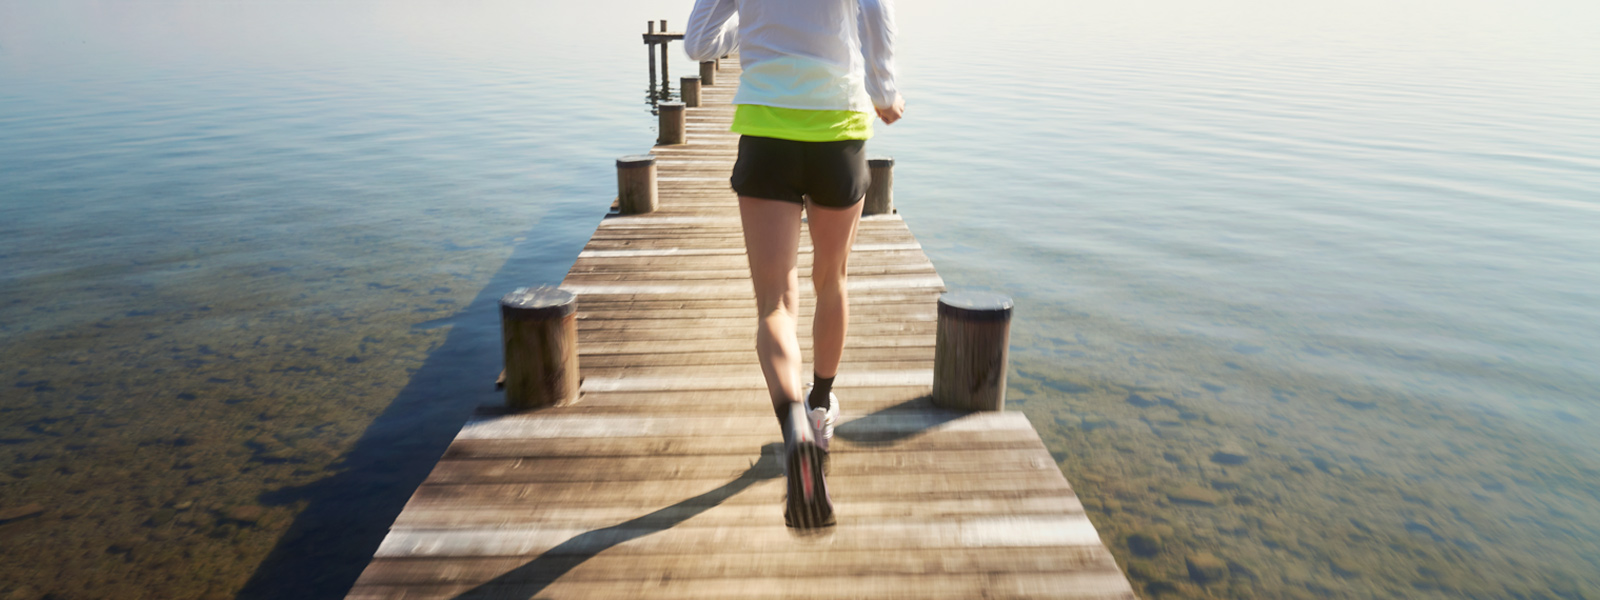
(1310, 290)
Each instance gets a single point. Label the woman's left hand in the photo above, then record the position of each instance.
(894, 112)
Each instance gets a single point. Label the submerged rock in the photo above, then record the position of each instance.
(245, 514)
(1231, 454)
(1344, 567)
(1206, 568)
(21, 512)
(125, 545)
(1144, 543)
(1193, 494)
(162, 517)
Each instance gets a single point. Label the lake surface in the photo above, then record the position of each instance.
(1311, 289)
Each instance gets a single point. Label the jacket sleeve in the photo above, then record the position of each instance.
(876, 27)
(713, 29)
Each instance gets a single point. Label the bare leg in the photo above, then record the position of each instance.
(833, 231)
(772, 242)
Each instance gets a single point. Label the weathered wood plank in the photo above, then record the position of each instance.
(648, 468)
(840, 562)
(554, 423)
(1072, 586)
(743, 343)
(767, 491)
(722, 514)
(888, 534)
(748, 443)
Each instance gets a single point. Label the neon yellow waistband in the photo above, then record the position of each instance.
(801, 125)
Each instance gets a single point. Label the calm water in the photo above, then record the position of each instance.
(1311, 290)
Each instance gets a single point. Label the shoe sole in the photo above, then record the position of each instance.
(808, 504)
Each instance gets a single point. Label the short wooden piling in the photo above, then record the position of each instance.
(539, 329)
(970, 351)
(650, 51)
(880, 193)
(666, 79)
(636, 184)
(690, 87)
(708, 73)
(673, 124)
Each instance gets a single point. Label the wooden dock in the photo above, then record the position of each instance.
(662, 481)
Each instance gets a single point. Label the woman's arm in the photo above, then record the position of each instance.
(877, 32)
(712, 31)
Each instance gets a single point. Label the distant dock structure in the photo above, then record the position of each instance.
(658, 478)
(661, 40)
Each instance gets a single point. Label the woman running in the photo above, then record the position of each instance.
(815, 71)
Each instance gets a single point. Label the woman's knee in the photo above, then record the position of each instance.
(782, 303)
(828, 280)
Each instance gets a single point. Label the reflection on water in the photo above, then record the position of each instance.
(1310, 293)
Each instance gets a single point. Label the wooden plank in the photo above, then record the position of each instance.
(738, 288)
(731, 318)
(723, 378)
(854, 358)
(923, 298)
(725, 344)
(749, 442)
(1073, 586)
(1010, 531)
(648, 468)
(555, 424)
(764, 487)
(601, 276)
(861, 401)
(840, 562)
(627, 331)
(721, 514)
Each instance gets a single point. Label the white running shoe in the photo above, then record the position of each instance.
(822, 420)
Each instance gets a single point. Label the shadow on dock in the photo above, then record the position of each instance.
(887, 427)
(528, 580)
(532, 578)
(347, 514)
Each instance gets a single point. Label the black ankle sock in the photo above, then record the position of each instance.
(819, 393)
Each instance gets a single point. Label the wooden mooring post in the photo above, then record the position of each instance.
(664, 481)
(971, 352)
(665, 77)
(539, 334)
(674, 124)
(689, 88)
(636, 184)
(708, 73)
(880, 193)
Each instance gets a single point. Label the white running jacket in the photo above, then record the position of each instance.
(809, 54)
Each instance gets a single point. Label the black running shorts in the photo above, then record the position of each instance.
(831, 174)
